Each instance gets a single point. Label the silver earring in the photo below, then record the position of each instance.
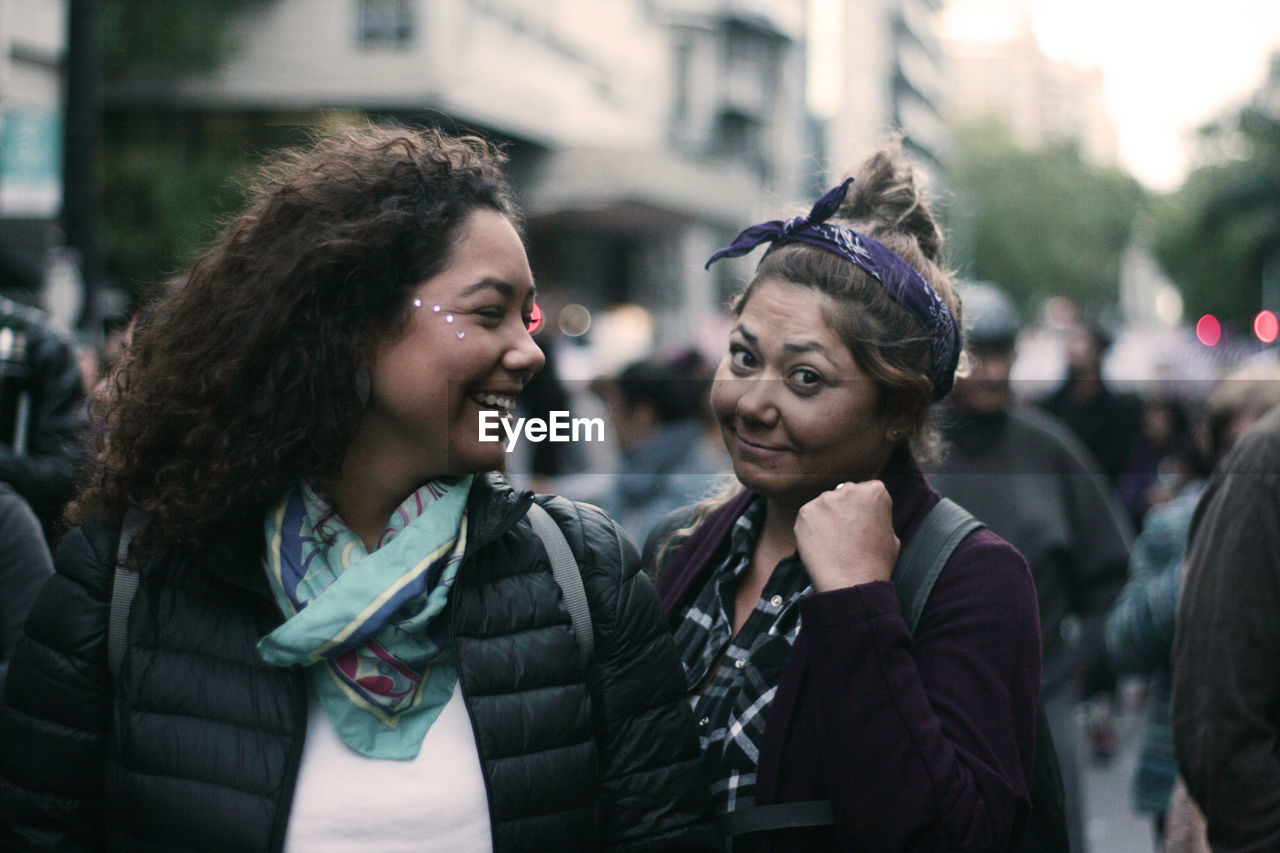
(895, 434)
(362, 384)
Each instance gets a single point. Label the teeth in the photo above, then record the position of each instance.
(495, 400)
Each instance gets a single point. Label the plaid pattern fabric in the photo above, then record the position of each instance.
(733, 707)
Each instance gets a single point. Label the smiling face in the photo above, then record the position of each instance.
(797, 414)
(430, 382)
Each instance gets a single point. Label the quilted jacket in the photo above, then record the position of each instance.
(197, 746)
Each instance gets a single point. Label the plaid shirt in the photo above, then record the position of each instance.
(732, 710)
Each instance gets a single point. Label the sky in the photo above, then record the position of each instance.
(1169, 65)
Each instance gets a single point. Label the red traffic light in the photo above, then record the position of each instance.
(1266, 326)
(1208, 330)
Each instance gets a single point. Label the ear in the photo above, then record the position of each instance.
(898, 427)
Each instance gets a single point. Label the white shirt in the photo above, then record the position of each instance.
(346, 802)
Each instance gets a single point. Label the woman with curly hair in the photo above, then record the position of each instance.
(346, 633)
(833, 715)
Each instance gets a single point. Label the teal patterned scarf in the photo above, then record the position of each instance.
(365, 623)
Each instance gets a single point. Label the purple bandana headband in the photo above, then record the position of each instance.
(901, 280)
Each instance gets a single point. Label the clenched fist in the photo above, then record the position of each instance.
(845, 536)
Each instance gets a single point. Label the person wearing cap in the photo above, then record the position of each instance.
(1025, 475)
(826, 723)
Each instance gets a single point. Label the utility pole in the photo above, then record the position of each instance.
(81, 139)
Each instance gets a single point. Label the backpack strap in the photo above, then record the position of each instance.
(123, 587)
(918, 566)
(921, 561)
(792, 815)
(565, 570)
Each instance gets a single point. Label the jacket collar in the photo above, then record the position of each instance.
(493, 508)
(912, 498)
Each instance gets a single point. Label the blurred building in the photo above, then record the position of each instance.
(997, 70)
(642, 133)
(32, 50)
(879, 69)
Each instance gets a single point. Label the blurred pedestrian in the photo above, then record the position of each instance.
(1226, 648)
(1106, 421)
(1140, 628)
(1163, 459)
(25, 564)
(307, 403)
(658, 408)
(41, 411)
(826, 723)
(1028, 478)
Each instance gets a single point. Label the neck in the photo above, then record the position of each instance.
(779, 530)
(369, 488)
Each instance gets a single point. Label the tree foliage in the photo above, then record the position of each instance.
(165, 36)
(1038, 223)
(1218, 236)
(166, 176)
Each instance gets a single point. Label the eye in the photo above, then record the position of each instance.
(806, 378)
(534, 321)
(741, 359)
(493, 315)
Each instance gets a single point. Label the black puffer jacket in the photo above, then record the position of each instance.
(199, 747)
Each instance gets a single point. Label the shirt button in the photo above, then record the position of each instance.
(776, 601)
(739, 663)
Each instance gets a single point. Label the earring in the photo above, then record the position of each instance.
(362, 384)
(895, 435)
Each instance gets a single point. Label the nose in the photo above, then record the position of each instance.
(755, 400)
(524, 358)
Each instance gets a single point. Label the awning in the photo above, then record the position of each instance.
(640, 190)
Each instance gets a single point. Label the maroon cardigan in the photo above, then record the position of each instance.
(920, 743)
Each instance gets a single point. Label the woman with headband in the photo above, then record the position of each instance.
(825, 723)
(347, 634)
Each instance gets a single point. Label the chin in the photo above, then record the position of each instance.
(764, 483)
(473, 457)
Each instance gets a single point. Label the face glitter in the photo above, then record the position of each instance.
(436, 308)
(461, 334)
(448, 318)
(417, 303)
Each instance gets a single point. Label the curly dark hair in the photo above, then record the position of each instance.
(241, 380)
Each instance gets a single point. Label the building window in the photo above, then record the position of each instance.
(384, 24)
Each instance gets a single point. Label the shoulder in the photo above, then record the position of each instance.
(87, 554)
(35, 324)
(1052, 436)
(14, 508)
(663, 531)
(985, 575)
(1257, 451)
(1044, 427)
(595, 538)
(67, 619)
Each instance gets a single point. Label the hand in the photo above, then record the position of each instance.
(845, 536)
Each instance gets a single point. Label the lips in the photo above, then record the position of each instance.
(757, 448)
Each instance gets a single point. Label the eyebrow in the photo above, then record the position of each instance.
(505, 288)
(796, 348)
